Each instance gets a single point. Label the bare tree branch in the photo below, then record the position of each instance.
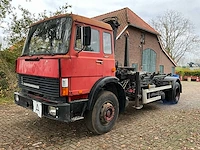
(176, 34)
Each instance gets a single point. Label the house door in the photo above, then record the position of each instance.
(149, 60)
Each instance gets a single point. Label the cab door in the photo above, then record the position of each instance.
(87, 63)
(89, 57)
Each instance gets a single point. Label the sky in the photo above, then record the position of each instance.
(147, 10)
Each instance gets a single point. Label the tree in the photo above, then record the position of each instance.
(177, 34)
(17, 30)
(5, 7)
(18, 27)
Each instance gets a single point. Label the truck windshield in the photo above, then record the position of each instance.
(49, 37)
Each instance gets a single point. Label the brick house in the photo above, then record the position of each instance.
(145, 50)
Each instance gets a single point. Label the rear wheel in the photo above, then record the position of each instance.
(173, 95)
(104, 114)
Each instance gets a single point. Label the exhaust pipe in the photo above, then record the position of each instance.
(126, 53)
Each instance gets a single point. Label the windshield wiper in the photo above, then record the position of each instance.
(50, 52)
(33, 59)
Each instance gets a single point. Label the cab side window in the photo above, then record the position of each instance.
(107, 48)
(78, 42)
(94, 47)
(94, 41)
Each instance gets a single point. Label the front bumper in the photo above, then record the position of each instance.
(62, 110)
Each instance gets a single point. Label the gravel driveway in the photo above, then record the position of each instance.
(157, 126)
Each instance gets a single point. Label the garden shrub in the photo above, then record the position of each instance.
(189, 73)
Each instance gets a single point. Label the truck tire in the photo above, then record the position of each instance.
(104, 114)
(173, 95)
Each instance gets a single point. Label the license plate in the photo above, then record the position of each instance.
(37, 108)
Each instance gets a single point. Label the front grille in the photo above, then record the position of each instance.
(48, 87)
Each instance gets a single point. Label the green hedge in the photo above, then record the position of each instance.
(189, 73)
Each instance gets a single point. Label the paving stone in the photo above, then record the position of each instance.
(157, 126)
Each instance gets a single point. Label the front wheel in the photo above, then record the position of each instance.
(104, 114)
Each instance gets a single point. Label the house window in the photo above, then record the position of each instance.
(94, 46)
(173, 70)
(135, 66)
(161, 68)
(107, 49)
(149, 60)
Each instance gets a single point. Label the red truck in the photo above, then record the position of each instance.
(67, 72)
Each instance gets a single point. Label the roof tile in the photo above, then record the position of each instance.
(127, 17)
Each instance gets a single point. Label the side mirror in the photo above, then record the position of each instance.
(86, 36)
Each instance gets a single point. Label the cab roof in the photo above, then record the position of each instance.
(80, 19)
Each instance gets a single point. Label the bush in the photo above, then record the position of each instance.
(8, 80)
(189, 73)
(3, 84)
(181, 73)
(2, 74)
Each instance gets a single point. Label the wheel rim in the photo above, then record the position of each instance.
(107, 113)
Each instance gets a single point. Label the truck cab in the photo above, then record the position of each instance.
(56, 68)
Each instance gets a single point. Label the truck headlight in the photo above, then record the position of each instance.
(52, 110)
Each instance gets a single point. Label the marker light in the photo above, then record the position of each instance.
(65, 89)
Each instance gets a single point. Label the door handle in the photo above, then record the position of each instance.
(99, 61)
